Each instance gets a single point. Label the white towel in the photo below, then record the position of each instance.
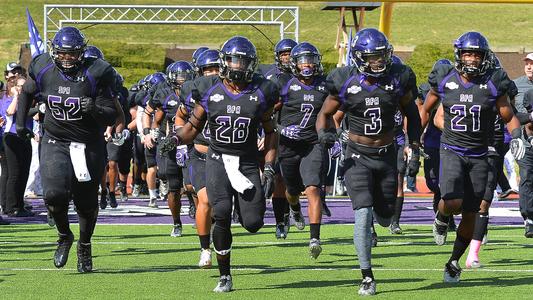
(79, 163)
(238, 181)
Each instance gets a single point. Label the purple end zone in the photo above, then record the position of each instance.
(417, 210)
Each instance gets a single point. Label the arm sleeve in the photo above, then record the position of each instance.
(105, 112)
(29, 89)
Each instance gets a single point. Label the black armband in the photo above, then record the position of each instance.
(194, 126)
(194, 116)
(146, 131)
(516, 133)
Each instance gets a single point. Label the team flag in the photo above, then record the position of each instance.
(36, 43)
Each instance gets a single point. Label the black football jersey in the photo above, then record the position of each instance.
(301, 103)
(188, 103)
(123, 99)
(371, 109)
(63, 118)
(468, 107)
(233, 119)
(166, 99)
(141, 98)
(269, 71)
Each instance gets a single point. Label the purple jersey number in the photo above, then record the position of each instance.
(232, 132)
(65, 110)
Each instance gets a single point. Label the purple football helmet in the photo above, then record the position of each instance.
(284, 45)
(197, 53)
(309, 57)
(157, 78)
(67, 48)
(209, 58)
(239, 59)
(371, 52)
(178, 72)
(472, 42)
(93, 52)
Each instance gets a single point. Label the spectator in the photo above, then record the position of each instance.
(525, 83)
(17, 150)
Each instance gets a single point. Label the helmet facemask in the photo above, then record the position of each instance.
(238, 68)
(374, 64)
(306, 65)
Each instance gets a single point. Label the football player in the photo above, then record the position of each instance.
(166, 101)
(152, 134)
(233, 104)
(370, 92)
(280, 206)
(301, 157)
(79, 105)
(468, 91)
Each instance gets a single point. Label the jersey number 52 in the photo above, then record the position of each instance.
(68, 109)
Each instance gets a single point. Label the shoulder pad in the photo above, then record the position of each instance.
(437, 75)
(336, 79)
(38, 63)
(501, 80)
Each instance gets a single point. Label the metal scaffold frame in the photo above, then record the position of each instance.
(287, 18)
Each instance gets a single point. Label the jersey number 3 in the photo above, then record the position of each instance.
(375, 117)
(65, 110)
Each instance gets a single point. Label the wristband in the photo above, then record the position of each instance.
(146, 131)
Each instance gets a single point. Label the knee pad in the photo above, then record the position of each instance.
(222, 237)
(57, 198)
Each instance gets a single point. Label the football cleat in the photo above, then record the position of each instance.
(299, 220)
(280, 231)
(176, 230)
(63, 248)
(314, 248)
(395, 228)
(452, 272)
(192, 211)
(112, 200)
(440, 231)
(123, 192)
(136, 191)
(367, 287)
(475, 264)
(85, 258)
(205, 259)
(153, 203)
(529, 228)
(225, 284)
